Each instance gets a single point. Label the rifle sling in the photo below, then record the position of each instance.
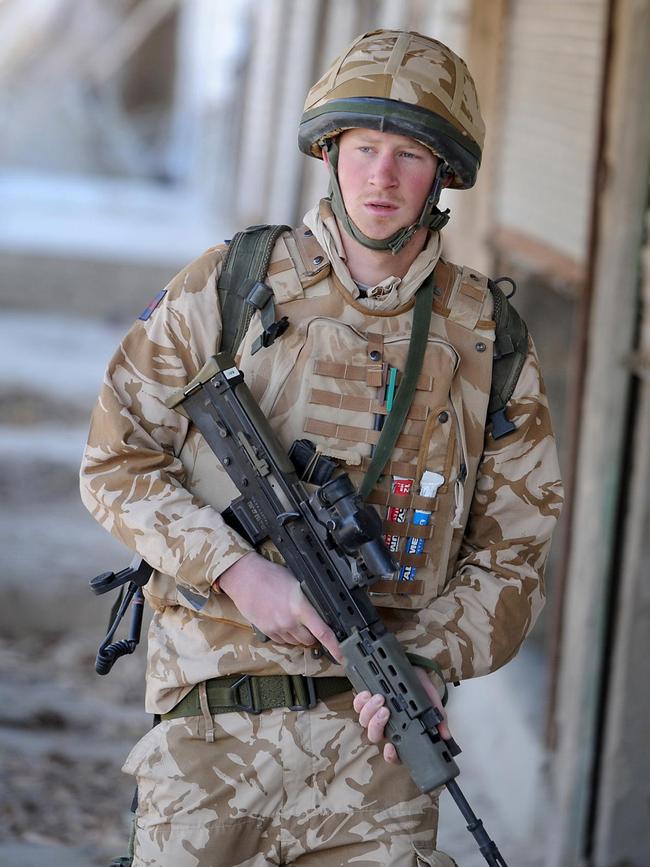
(397, 416)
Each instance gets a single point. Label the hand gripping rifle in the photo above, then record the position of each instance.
(332, 543)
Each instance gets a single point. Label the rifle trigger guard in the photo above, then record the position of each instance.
(285, 517)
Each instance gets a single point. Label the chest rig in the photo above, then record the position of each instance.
(269, 270)
(242, 290)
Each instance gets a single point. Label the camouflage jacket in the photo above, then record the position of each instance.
(472, 555)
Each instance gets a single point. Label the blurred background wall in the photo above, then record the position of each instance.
(136, 133)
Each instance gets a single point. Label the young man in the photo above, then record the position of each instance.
(395, 120)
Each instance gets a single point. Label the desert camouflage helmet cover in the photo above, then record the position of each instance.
(400, 82)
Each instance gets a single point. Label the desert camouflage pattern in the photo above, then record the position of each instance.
(283, 787)
(406, 67)
(150, 479)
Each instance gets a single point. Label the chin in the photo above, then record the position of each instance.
(378, 233)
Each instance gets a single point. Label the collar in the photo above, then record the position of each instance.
(390, 293)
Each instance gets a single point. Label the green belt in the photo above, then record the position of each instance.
(254, 694)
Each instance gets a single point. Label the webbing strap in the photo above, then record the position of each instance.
(510, 351)
(397, 416)
(246, 263)
(253, 694)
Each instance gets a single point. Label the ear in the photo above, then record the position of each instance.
(326, 156)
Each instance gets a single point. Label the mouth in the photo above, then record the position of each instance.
(381, 207)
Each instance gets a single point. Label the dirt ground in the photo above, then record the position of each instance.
(65, 731)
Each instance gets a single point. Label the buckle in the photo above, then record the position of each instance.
(254, 703)
(303, 689)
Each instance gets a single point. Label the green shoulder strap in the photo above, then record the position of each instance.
(414, 358)
(242, 290)
(510, 351)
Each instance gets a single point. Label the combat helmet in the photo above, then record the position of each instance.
(405, 83)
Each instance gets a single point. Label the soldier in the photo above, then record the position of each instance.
(395, 120)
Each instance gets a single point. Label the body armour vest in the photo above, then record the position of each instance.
(328, 379)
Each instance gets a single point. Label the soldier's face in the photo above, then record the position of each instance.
(384, 178)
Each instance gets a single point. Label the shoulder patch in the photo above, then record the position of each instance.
(149, 309)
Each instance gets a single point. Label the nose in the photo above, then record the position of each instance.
(384, 174)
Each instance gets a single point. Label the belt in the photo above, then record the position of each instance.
(253, 694)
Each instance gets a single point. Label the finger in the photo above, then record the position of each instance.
(360, 700)
(377, 724)
(369, 709)
(302, 635)
(390, 755)
(321, 631)
(443, 728)
(283, 636)
(436, 701)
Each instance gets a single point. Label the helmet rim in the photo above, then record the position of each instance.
(458, 150)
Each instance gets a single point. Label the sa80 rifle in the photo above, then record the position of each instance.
(332, 542)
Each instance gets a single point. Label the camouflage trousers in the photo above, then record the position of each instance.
(280, 788)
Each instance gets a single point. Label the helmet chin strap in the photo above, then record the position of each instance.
(430, 217)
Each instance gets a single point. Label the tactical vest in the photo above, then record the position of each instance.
(242, 291)
(325, 377)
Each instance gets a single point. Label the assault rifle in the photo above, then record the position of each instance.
(332, 542)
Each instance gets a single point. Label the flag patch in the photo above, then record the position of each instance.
(149, 309)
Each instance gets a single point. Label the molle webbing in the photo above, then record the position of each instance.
(406, 469)
(407, 529)
(384, 497)
(356, 403)
(358, 373)
(350, 433)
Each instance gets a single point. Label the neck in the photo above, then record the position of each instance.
(372, 266)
